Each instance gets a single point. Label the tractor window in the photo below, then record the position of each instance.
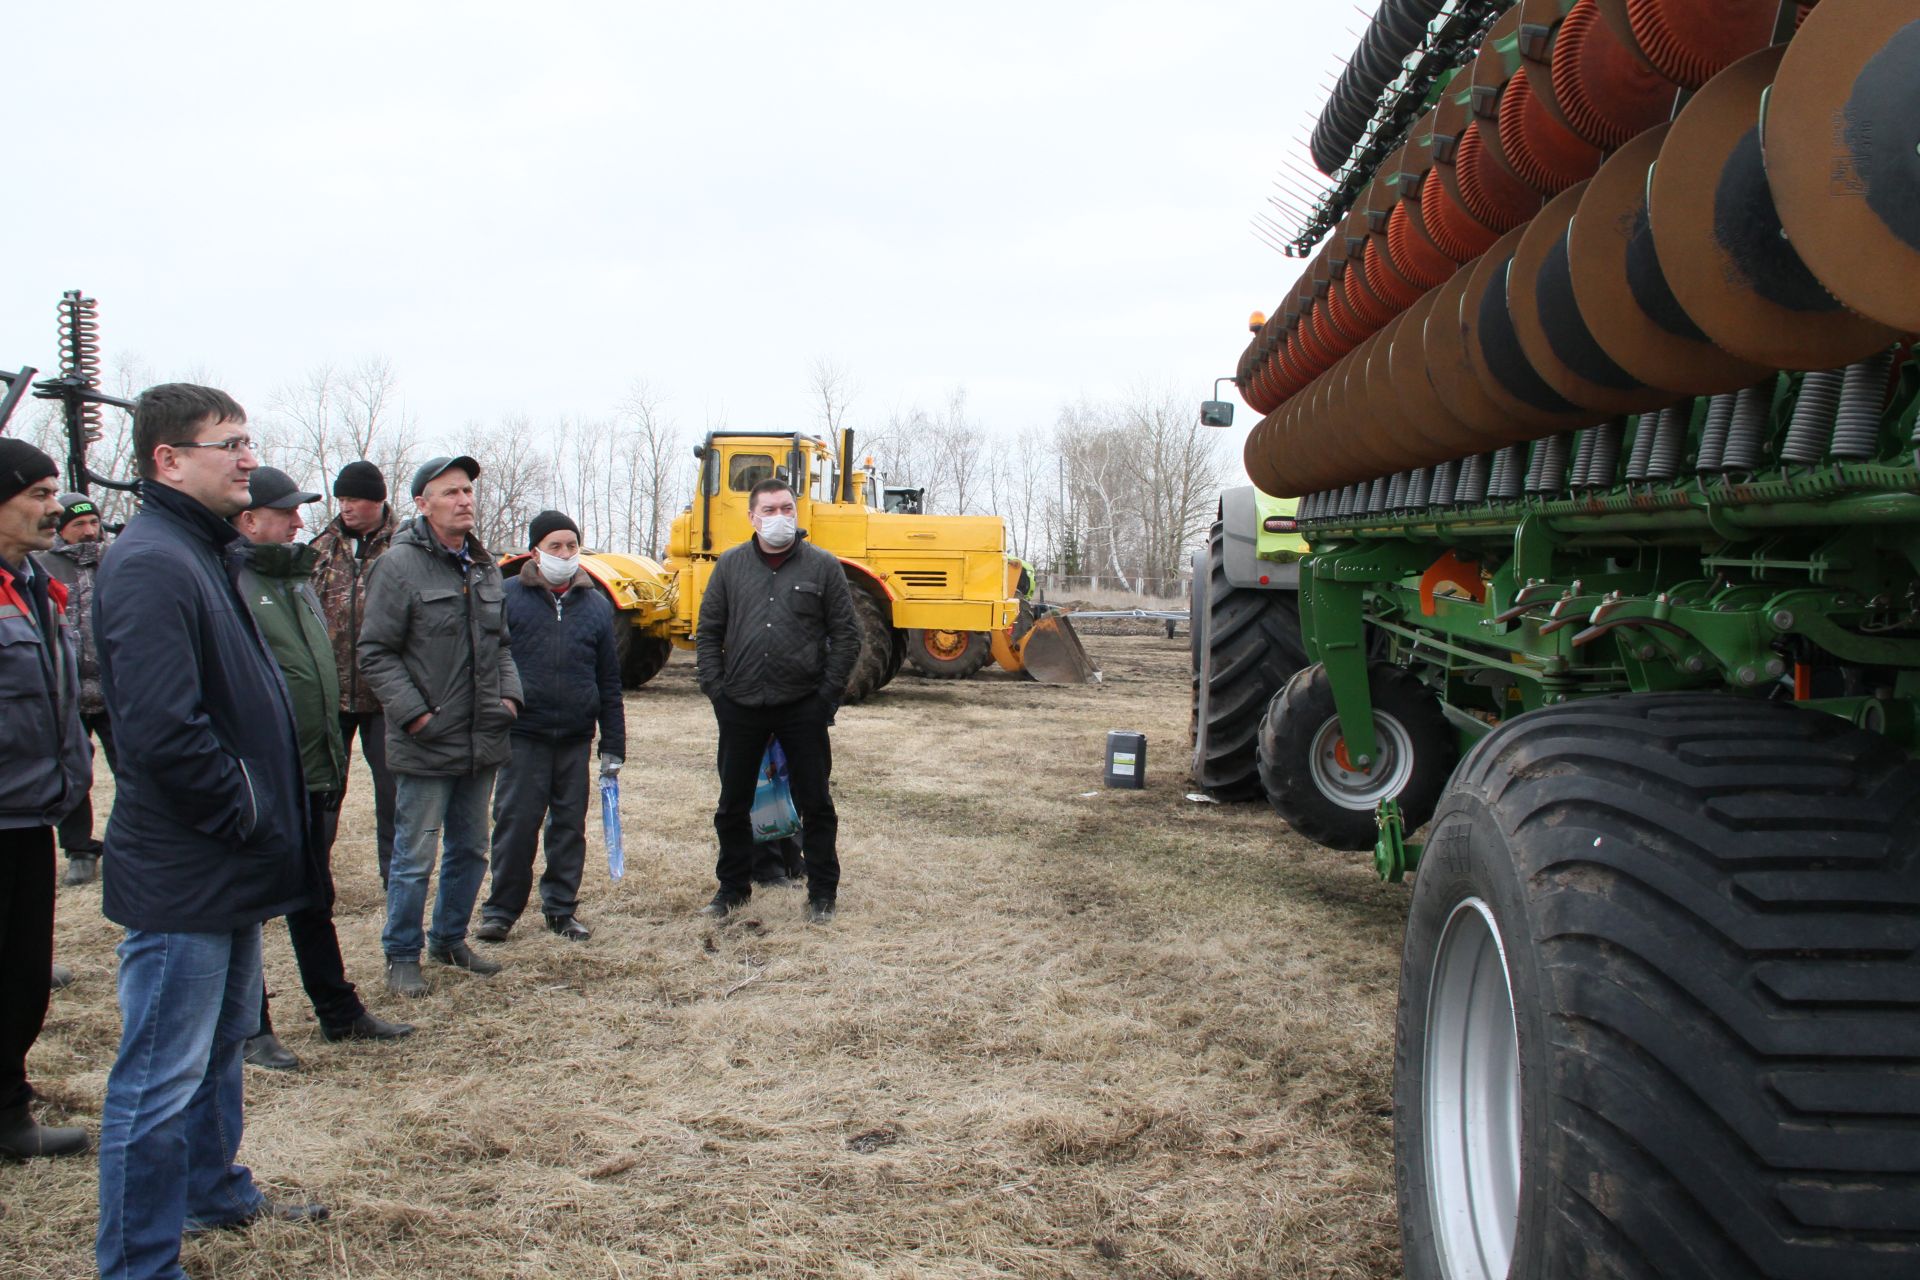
(745, 470)
(823, 480)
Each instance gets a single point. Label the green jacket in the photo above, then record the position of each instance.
(275, 579)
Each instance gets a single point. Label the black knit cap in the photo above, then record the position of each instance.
(75, 505)
(548, 521)
(22, 465)
(360, 480)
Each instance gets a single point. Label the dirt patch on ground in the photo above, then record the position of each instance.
(1056, 1031)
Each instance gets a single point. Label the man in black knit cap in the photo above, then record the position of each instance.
(346, 550)
(46, 767)
(561, 629)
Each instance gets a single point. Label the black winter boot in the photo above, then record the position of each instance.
(23, 1138)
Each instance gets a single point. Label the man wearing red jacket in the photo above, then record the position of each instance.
(46, 768)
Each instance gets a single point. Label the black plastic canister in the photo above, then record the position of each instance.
(1126, 759)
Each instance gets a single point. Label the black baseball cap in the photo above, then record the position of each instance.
(431, 469)
(272, 487)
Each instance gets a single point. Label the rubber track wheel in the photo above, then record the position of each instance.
(876, 647)
(1252, 647)
(977, 654)
(1291, 725)
(1710, 910)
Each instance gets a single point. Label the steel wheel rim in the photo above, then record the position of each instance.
(1471, 1099)
(1352, 788)
(944, 645)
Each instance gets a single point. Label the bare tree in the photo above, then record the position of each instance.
(331, 417)
(1179, 470)
(959, 449)
(905, 452)
(833, 390)
(1098, 482)
(516, 481)
(651, 444)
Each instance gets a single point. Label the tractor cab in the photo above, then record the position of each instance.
(732, 462)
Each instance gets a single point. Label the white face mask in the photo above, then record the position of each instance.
(776, 531)
(558, 570)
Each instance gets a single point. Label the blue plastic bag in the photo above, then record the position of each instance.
(610, 825)
(774, 814)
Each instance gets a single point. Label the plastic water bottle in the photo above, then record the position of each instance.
(610, 825)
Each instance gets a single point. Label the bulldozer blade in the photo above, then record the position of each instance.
(1052, 653)
(1006, 652)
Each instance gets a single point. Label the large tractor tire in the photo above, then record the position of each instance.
(1312, 783)
(876, 647)
(948, 655)
(896, 657)
(1246, 649)
(640, 655)
(1658, 1015)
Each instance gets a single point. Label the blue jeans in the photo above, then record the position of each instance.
(424, 810)
(171, 1124)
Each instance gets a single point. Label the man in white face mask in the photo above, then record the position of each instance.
(561, 628)
(776, 641)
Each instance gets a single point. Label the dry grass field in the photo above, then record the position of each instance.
(1056, 1031)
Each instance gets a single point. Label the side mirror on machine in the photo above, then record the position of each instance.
(1216, 413)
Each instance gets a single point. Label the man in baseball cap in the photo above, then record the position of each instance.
(433, 468)
(276, 582)
(434, 646)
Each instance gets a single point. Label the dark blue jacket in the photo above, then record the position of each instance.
(570, 665)
(46, 762)
(209, 829)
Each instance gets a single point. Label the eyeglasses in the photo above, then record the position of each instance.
(234, 445)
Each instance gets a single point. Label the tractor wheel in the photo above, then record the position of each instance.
(948, 655)
(896, 657)
(1657, 1013)
(1313, 785)
(1246, 648)
(640, 655)
(876, 647)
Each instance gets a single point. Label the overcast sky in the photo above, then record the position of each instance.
(527, 207)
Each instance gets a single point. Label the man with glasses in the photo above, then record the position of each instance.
(434, 646)
(208, 836)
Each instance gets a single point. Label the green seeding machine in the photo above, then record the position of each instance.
(1581, 582)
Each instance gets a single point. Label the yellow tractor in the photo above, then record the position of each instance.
(913, 576)
(1041, 643)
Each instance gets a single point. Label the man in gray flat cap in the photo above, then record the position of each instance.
(433, 645)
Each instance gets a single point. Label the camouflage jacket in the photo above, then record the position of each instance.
(340, 579)
(71, 564)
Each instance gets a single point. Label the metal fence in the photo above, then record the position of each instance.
(1106, 589)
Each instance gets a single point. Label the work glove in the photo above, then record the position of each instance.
(610, 766)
